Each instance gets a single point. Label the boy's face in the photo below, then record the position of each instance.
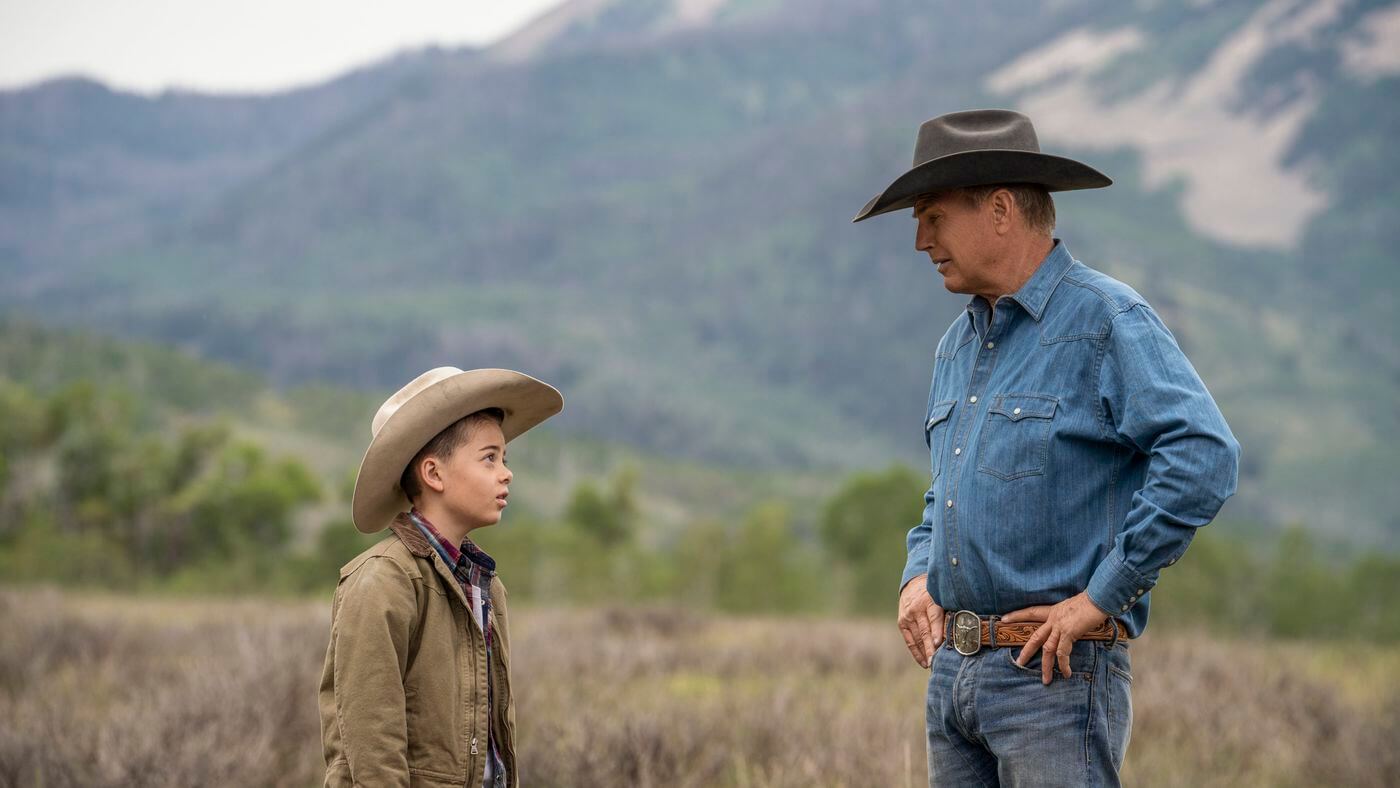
(475, 479)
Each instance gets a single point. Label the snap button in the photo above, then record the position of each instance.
(973, 398)
(957, 451)
(991, 345)
(955, 562)
(950, 503)
(1016, 412)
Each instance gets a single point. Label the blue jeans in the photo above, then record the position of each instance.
(991, 722)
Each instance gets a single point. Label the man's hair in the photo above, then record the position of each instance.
(1032, 199)
(443, 444)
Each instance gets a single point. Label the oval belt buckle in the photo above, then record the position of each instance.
(967, 633)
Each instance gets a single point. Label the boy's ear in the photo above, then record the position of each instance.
(430, 474)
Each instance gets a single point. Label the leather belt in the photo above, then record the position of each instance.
(969, 632)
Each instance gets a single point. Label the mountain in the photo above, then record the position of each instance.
(647, 202)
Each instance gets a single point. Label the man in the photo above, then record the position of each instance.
(1074, 451)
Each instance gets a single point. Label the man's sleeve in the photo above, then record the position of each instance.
(372, 631)
(918, 543)
(1155, 403)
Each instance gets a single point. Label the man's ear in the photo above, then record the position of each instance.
(1003, 205)
(430, 474)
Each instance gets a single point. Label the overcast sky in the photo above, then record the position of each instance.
(228, 45)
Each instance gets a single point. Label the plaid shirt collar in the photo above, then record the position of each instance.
(454, 556)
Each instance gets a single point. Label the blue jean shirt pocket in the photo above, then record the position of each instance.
(1016, 436)
(936, 432)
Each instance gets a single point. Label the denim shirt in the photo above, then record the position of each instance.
(1072, 446)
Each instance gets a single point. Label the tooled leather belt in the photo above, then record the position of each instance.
(968, 632)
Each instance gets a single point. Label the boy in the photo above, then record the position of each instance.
(416, 687)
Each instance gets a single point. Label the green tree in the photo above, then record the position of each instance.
(767, 568)
(242, 503)
(609, 517)
(863, 529)
(1303, 590)
(1217, 584)
(1372, 588)
(698, 563)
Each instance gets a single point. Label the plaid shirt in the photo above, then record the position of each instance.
(474, 570)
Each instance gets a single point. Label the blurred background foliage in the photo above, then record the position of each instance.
(651, 210)
(205, 297)
(125, 467)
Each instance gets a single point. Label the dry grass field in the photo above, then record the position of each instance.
(108, 691)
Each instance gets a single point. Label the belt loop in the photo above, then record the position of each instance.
(992, 629)
(1114, 642)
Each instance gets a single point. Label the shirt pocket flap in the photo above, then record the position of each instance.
(939, 412)
(1024, 406)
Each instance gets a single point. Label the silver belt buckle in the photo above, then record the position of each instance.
(967, 633)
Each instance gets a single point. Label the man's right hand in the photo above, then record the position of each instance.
(920, 620)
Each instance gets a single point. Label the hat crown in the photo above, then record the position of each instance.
(408, 392)
(977, 129)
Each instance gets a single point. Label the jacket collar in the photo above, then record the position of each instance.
(411, 537)
(418, 545)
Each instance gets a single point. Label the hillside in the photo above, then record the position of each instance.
(163, 390)
(648, 203)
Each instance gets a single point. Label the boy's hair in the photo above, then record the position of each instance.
(443, 444)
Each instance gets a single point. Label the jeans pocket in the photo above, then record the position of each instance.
(1080, 664)
(1016, 436)
(1119, 700)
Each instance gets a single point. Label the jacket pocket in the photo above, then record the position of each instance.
(1016, 437)
(338, 774)
(936, 432)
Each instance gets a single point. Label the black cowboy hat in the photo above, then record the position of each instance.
(980, 147)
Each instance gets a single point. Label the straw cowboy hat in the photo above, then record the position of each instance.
(426, 406)
(980, 147)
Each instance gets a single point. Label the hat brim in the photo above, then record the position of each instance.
(525, 401)
(983, 168)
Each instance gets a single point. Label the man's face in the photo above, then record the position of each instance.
(476, 479)
(959, 237)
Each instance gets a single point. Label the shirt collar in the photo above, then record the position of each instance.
(1035, 293)
(450, 553)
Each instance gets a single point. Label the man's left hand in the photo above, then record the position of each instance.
(1065, 623)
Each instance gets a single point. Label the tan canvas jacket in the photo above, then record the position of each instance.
(403, 694)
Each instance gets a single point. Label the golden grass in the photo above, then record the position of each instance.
(101, 690)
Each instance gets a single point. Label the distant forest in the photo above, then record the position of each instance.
(118, 471)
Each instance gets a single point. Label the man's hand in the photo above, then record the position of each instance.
(1064, 624)
(920, 620)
